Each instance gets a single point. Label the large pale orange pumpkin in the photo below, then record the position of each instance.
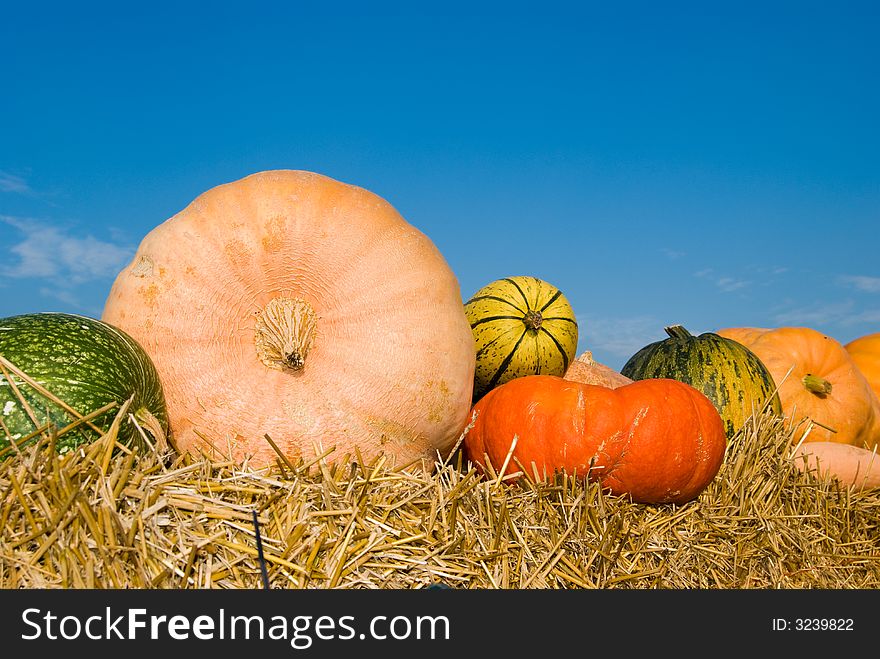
(292, 305)
(817, 380)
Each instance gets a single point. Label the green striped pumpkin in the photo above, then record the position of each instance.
(522, 326)
(82, 362)
(727, 372)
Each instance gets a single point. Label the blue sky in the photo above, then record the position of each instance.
(710, 164)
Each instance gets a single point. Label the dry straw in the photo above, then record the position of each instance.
(104, 516)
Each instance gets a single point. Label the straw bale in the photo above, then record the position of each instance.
(105, 516)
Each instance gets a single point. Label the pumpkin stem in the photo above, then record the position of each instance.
(284, 333)
(533, 320)
(587, 357)
(677, 332)
(816, 385)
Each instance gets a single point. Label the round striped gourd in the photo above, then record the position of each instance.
(522, 326)
(84, 363)
(726, 371)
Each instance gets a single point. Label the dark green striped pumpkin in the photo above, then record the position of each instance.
(522, 326)
(727, 372)
(82, 362)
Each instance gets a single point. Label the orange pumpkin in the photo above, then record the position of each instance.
(865, 352)
(587, 370)
(817, 381)
(292, 305)
(655, 440)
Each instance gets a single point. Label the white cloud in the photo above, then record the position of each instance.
(868, 316)
(51, 253)
(672, 254)
(729, 284)
(817, 315)
(767, 270)
(834, 314)
(621, 337)
(12, 183)
(724, 283)
(61, 295)
(862, 283)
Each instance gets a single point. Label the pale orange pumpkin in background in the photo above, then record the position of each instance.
(817, 380)
(290, 304)
(851, 465)
(587, 370)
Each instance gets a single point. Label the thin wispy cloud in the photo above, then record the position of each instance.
(868, 316)
(846, 313)
(729, 284)
(52, 253)
(862, 283)
(12, 183)
(62, 295)
(767, 271)
(672, 254)
(724, 283)
(814, 315)
(621, 337)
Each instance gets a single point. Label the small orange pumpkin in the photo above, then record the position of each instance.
(656, 440)
(817, 380)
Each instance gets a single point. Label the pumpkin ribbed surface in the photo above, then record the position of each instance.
(81, 361)
(522, 326)
(726, 371)
(296, 306)
(865, 353)
(656, 441)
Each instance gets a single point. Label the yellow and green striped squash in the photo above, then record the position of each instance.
(522, 326)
